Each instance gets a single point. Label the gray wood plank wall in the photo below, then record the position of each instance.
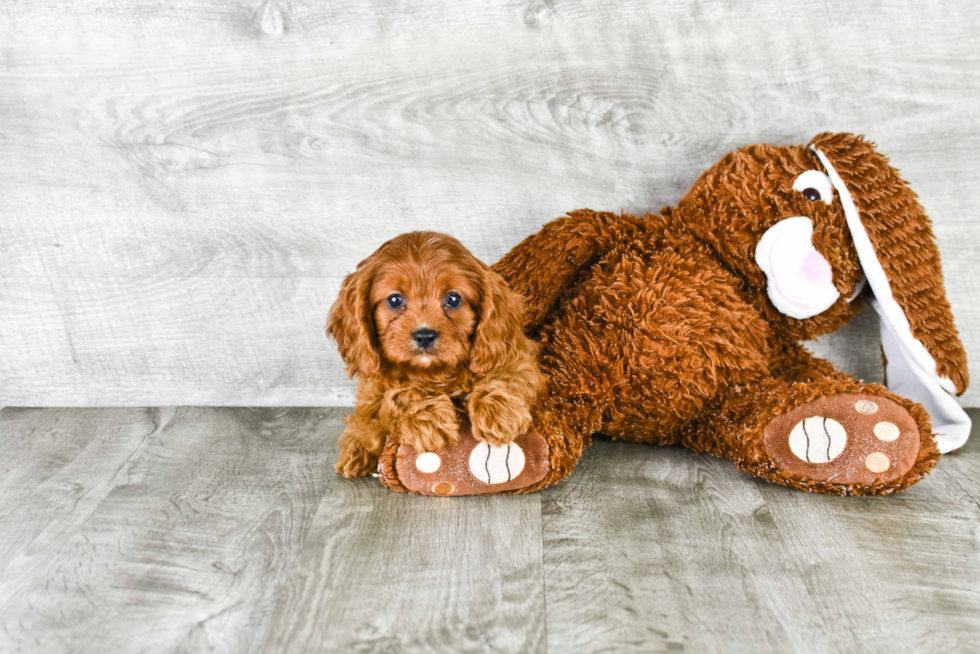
(183, 185)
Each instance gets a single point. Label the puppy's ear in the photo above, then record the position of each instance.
(351, 323)
(500, 322)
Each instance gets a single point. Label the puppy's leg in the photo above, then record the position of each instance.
(426, 422)
(499, 405)
(499, 411)
(360, 445)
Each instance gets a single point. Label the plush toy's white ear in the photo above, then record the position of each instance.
(900, 260)
(906, 377)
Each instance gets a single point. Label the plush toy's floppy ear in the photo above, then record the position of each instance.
(351, 324)
(925, 360)
(501, 322)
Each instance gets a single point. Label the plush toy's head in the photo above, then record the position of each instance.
(772, 215)
(813, 230)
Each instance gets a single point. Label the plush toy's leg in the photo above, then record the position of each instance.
(547, 453)
(567, 425)
(817, 429)
(545, 264)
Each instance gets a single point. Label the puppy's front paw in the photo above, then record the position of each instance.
(497, 416)
(430, 425)
(355, 460)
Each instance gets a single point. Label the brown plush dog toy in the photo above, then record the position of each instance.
(685, 327)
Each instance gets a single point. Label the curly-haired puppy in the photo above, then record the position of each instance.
(422, 322)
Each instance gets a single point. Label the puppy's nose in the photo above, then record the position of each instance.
(425, 337)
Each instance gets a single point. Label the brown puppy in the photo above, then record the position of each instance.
(421, 323)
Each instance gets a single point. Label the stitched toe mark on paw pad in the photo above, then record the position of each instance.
(817, 439)
(496, 464)
(844, 439)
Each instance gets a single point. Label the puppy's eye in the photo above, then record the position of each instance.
(814, 186)
(453, 300)
(395, 302)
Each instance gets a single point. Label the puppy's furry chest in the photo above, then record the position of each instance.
(456, 387)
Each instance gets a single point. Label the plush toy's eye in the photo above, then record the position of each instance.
(453, 300)
(395, 301)
(814, 185)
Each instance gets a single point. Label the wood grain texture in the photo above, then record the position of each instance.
(225, 530)
(165, 530)
(130, 530)
(57, 466)
(384, 572)
(677, 551)
(184, 186)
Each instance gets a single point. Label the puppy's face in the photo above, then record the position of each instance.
(423, 301)
(426, 307)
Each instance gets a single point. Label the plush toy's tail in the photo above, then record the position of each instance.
(544, 265)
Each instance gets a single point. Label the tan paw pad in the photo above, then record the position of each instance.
(887, 431)
(865, 406)
(443, 488)
(877, 462)
(428, 462)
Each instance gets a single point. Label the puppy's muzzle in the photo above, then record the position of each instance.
(425, 337)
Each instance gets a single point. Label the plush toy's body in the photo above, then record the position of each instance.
(685, 326)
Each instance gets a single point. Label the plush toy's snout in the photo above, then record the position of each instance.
(800, 279)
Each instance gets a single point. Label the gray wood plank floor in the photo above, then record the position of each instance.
(226, 530)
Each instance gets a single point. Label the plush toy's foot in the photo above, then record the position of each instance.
(467, 467)
(844, 439)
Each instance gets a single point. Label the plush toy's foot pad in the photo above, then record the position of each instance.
(844, 439)
(470, 467)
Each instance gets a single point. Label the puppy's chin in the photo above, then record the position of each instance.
(410, 357)
(432, 360)
(423, 360)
